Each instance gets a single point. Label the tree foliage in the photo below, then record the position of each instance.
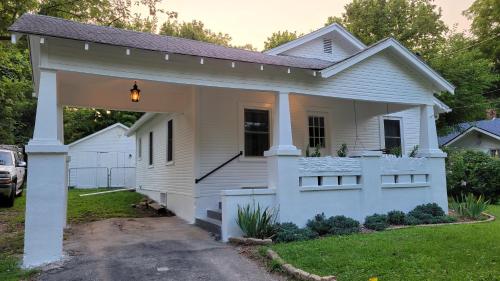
(470, 72)
(194, 30)
(415, 23)
(279, 38)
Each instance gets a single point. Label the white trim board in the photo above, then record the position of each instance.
(316, 34)
(466, 132)
(390, 43)
(100, 132)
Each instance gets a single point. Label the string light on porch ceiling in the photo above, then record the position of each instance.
(135, 93)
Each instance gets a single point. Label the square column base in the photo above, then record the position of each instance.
(45, 204)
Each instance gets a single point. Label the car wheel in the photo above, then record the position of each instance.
(10, 200)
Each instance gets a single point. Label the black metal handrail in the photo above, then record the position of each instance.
(220, 166)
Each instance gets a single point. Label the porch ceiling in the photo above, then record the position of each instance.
(85, 90)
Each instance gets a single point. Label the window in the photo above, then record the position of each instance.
(139, 148)
(170, 134)
(495, 152)
(317, 131)
(150, 148)
(392, 134)
(327, 46)
(256, 126)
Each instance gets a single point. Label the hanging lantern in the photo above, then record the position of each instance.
(135, 93)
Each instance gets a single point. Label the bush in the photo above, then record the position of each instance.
(469, 206)
(473, 172)
(337, 225)
(289, 232)
(256, 222)
(396, 217)
(341, 225)
(427, 214)
(376, 222)
(319, 224)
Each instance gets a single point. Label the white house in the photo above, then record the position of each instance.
(207, 103)
(483, 135)
(103, 159)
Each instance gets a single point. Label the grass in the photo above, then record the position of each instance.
(454, 252)
(80, 210)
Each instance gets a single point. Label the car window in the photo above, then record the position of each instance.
(5, 158)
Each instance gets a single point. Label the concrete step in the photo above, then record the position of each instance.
(209, 225)
(215, 214)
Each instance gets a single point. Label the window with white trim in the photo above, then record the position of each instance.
(256, 131)
(495, 152)
(170, 142)
(392, 134)
(317, 131)
(150, 154)
(139, 148)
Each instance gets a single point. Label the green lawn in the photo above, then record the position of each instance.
(454, 252)
(80, 210)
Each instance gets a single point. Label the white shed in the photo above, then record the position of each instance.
(103, 159)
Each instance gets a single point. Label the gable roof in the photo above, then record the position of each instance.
(487, 127)
(316, 34)
(119, 125)
(61, 28)
(390, 43)
(144, 118)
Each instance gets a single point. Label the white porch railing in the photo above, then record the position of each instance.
(353, 186)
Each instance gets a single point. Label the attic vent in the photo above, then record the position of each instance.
(327, 46)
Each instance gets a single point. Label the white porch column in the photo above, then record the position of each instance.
(47, 182)
(428, 134)
(429, 148)
(282, 157)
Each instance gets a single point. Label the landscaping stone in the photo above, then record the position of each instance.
(250, 241)
(296, 272)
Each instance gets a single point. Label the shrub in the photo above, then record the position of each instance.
(432, 209)
(337, 225)
(396, 217)
(256, 222)
(468, 206)
(319, 224)
(289, 232)
(376, 222)
(341, 225)
(343, 151)
(473, 172)
(427, 214)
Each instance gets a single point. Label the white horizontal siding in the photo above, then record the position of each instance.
(314, 49)
(176, 179)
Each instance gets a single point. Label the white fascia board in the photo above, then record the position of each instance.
(99, 132)
(315, 34)
(471, 129)
(441, 106)
(144, 118)
(401, 50)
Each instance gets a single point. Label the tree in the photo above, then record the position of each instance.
(194, 30)
(472, 75)
(485, 16)
(416, 24)
(279, 38)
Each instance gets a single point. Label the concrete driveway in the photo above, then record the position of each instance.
(150, 249)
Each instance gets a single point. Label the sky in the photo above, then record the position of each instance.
(252, 21)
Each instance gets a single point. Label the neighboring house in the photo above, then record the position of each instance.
(206, 103)
(481, 135)
(103, 159)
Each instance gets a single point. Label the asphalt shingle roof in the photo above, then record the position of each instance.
(491, 126)
(56, 27)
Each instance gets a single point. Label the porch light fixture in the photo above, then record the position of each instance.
(135, 93)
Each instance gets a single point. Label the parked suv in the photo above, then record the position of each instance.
(12, 171)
